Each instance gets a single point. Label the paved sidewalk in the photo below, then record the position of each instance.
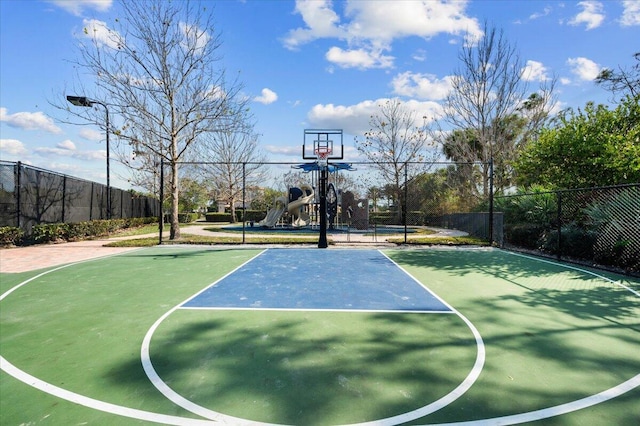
(23, 259)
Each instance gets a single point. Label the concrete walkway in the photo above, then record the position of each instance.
(23, 259)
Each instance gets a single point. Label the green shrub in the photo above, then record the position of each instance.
(10, 236)
(78, 231)
(187, 217)
(384, 218)
(218, 217)
(575, 241)
(49, 232)
(251, 215)
(524, 235)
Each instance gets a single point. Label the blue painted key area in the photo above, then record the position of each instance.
(313, 279)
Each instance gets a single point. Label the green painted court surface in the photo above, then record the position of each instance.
(106, 342)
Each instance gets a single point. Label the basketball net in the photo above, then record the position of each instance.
(322, 153)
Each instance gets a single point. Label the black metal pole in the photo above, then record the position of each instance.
(64, 196)
(244, 205)
(559, 221)
(161, 215)
(322, 241)
(91, 203)
(491, 201)
(18, 190)
(405, 203)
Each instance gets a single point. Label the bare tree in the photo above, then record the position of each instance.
(395, 140)
(232, 161)
(486, 90)
(158, 70)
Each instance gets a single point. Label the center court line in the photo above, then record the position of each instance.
(442, 402)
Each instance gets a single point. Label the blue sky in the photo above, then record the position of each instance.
(307, 64)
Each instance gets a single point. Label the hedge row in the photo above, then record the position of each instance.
(249, 215)
(57, 232)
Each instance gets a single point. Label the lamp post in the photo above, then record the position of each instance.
(83, 101)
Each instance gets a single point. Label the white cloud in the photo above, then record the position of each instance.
(370, 27)
(289, 151)
(591, 14)
(267, 97)
(94, 29)
(29, 121)
(72, 153)
(388, 20)
(194, 36)
(321, 22)
(534, 71)
(354, 119)
(545, 12)
(422, 86)
(91, 134)
(67, 144)
(420, 55)
(358, 58)
(585, 69)
(631, 13)
(76, 7)
(13, 147)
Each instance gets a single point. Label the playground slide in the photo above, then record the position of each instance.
(301, 218)
(274, 214)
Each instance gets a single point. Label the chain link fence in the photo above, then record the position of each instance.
(362, 196)
(31, 196)
(598, 226)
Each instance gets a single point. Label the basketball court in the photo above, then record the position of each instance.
(191, 335)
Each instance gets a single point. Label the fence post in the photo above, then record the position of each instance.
(91, 203)
(491, 201)
(559, 221)
(64, 195)
(17, 189)
(244, 203)
(161, 215)
(406, 201)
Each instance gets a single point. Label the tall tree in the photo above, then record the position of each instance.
(590, 147)
(487, 96)
(395, 143)
(624, 81)
(231, 161)
(158, 69)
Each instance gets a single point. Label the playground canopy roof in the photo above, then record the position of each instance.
(333, 167)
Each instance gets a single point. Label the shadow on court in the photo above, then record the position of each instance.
(313, 368)
(553, 335)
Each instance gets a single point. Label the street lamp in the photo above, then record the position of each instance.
(83, 101)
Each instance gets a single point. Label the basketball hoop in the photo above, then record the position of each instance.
(322, 152)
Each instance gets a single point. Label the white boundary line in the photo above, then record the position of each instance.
(169, 393)
(575, 268)
(371, 311)
(568, 407)
(390, 421)
(43, 386)
(32, 381)
(541, 414)
(556, 410)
